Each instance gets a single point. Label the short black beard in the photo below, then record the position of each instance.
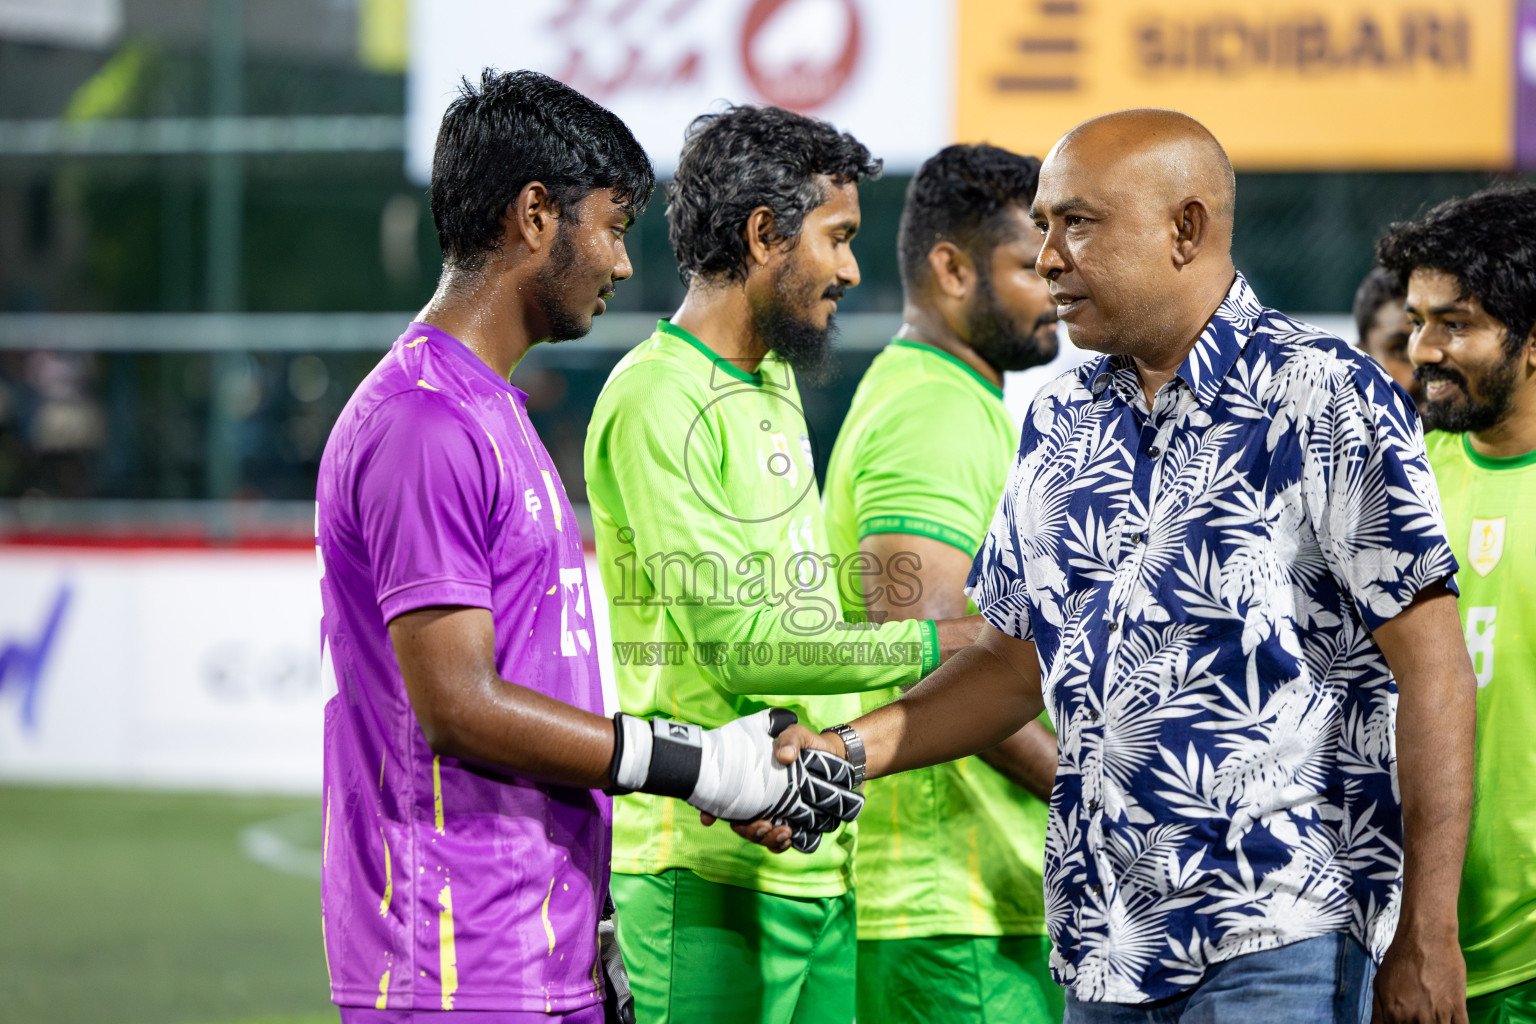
(549, 289)
(1462, 415)
(993, 335)
(791, 336)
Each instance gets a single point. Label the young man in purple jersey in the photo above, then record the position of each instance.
(467, 759)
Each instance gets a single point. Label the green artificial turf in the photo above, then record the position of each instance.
(128, 906)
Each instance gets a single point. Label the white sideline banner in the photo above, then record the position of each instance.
(881, 69)
(175, 669)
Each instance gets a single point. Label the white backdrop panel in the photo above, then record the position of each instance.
(882, 69)
(191, 670)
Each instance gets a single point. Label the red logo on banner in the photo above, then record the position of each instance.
(601, 72)
(798, 82)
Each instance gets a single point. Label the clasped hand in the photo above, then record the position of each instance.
(796, 744)
(739, 774)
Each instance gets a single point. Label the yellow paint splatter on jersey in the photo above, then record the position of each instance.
(552, 589)
(664, 848)
(515, 415)
(978, 893)
(901, 920)
(597, 962)
(554, 498)
(549, 929)
(326, 945)
(382, 1003)
(325, 833)
(389, 881)
(437, 797)
(501, 467)
(429, 387)
(447, 958)
(413, 344)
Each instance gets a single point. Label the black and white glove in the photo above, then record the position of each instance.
(731, 773)
(618, 999)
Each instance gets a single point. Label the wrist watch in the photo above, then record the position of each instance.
(855, 750)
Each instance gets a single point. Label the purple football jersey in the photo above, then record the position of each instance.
(447, 886)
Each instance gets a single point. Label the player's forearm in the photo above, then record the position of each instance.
(929, 585)
(1436, 726)
(1423, 975)
(972, 703)
(511, 728)
(955, 635)
(1436, 722)
(467, 711)
(1027, 759)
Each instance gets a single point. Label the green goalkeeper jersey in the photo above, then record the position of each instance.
(1490, 511)
(722, 593)
(954, 849)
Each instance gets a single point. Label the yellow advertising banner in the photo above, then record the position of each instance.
(1284, 84)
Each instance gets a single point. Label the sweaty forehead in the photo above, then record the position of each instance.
(840, 202)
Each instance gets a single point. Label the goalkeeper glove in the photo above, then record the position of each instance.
(731, 773)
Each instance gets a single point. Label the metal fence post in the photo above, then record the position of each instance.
(226, 194)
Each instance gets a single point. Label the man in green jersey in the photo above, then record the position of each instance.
(722, 590)
(1469, 267)
(950, 898)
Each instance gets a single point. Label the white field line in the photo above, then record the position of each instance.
(284, 844)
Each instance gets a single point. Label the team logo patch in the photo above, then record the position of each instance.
(779, 462)
(1486, 544)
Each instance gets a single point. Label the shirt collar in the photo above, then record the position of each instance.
(1216, 350)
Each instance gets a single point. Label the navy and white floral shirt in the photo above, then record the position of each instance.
(1201, 580)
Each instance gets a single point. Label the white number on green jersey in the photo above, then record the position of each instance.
(1480, 642)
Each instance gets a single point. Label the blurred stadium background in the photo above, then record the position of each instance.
(213, 221)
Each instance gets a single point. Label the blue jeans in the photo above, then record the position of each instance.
(1326, 980)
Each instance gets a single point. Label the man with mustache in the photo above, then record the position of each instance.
(1470, 273)
(715, 560)
(1219, 559)
(949, 857)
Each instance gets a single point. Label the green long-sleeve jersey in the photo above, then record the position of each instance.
(723, 594)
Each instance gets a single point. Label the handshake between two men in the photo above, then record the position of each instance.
(733, 773)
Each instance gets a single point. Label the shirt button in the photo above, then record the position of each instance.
(1093, 807)
(1097, 889)
(1135, 538)
(1113, 625)
(1154, 452)
(1093, 716)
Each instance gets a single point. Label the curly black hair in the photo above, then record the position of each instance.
(1376, 289)
(519, 127)
(959, 195)
(745, 157)
(1486, 241)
